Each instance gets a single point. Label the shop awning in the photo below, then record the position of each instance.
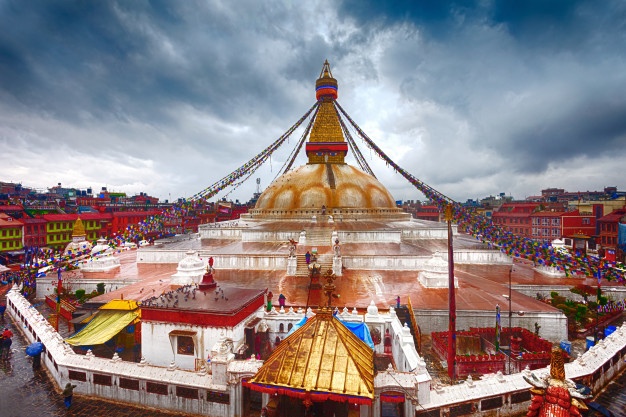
(102, 328)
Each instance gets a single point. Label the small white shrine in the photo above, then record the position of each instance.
(435, 273)
(190, 270)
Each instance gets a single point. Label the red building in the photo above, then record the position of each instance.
(122, 219)
(34, 232)
(515, 217)
(609, 226)
(550, 225)
(422, 211)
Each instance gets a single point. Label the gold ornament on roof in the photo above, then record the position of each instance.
(79, 229)
(329, 288)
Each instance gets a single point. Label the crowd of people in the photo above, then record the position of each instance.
(23, 277)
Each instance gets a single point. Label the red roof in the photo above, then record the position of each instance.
(35, 220)
(613, 217)
(95, 216)
(136, 213)
(8, 221)
(553, 214)
(60, 217)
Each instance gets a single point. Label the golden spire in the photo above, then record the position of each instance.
(326, 142)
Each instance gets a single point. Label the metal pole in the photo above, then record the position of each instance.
(451, 299)
(595, 331)
(510, 315)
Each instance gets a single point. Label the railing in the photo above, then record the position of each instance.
(417, 336)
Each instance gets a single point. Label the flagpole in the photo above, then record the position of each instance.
(59, 289)
(598, 294)
(449, 215)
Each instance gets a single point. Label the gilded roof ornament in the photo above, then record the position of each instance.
(79, 229)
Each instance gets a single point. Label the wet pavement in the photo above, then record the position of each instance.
(26, 392)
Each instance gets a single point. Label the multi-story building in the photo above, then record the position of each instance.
(10, 233)
(609, 233)
(422, 211)
(550, 225)
(122, 219)
(514, 217)
(97, 225)
(34, 232)
(59, 229)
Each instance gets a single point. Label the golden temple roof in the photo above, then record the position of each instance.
(322, 356)
(79, 229)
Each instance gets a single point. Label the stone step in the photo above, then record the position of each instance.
(318, 237)
(302, 269)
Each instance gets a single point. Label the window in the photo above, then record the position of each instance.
(586, 220)
(184, 345)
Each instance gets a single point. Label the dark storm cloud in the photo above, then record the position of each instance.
(116, 59)
(173, 95)
(536, 82)
(595, 127)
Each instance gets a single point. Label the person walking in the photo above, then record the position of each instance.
(68, 392)
(307, 257)
(6, 342)
(37, 359)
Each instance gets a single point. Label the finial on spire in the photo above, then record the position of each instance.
(326, 85)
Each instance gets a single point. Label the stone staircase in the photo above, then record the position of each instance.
(325, 261)
(318, 236)
(405, 316)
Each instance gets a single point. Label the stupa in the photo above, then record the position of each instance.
(349, 221)
(326, 185)
(79, 243)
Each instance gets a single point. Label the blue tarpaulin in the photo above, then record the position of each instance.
(360, 330)
(621, 234)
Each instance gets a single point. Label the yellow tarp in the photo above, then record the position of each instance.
(102, 328)
(120, 305)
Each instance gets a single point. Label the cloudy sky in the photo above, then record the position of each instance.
(167, 97)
